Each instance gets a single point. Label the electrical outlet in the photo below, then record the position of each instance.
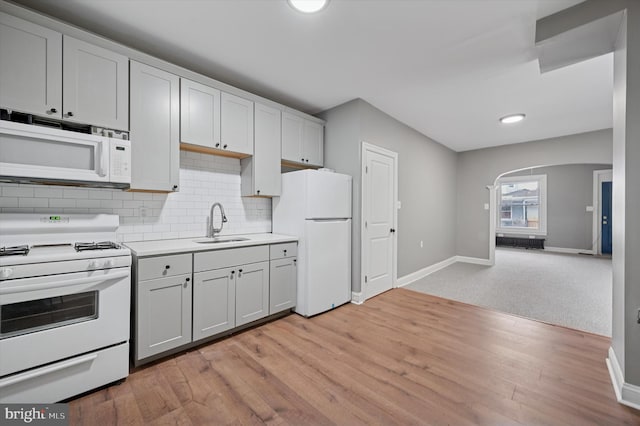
(421, 244)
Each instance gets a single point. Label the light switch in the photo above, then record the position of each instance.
(589, 208)
(486, 206)
(399, 205)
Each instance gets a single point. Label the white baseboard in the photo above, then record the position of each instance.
(415, 276)
(568, 250)
(357, 297)
(626, 393)
(474, 260)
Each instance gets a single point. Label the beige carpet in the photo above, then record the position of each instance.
(565, 289)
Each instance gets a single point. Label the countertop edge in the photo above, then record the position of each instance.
(186, 245)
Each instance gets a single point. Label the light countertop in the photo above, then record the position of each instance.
(187, 245)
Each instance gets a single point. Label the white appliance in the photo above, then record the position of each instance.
(64, 306)
(33, 153)
(315, 206)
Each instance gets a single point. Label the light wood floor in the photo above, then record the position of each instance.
(401, 358)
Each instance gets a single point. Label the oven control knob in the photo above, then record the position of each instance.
(108, 263)
(6, 272)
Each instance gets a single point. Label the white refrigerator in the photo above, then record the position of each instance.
(315, 206)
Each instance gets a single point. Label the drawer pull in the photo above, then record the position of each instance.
(47, 370)
(167, 267)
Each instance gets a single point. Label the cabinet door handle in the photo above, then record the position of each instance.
(285, 252)
(52, 111)
(69, 114)
(217, 145)
(225, 146)
(175, 187)
(302, 160)
(186, 282)
(258, 192)
(167, 267)
(307, 160)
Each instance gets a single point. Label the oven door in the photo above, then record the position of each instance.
(30, 151)
(45, 319)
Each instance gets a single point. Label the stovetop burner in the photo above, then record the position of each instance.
(11, 251)
(103, 245)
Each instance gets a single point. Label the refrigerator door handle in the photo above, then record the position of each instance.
(333, 220)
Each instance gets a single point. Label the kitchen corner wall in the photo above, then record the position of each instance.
(426, 183)
(204, 179)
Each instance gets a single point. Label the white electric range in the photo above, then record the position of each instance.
(64, 305)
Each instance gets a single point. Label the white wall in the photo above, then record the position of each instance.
(204, 179)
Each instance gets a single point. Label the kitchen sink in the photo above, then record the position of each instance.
(218, 240)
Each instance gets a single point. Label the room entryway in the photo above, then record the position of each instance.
(571, 290)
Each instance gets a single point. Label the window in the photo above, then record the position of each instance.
(522, 205)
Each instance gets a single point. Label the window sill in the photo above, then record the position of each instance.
(521, 231)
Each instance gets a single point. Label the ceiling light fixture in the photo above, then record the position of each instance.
(512, 118)
(308, 6)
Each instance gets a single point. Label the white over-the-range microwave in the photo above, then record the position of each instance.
(32, 153)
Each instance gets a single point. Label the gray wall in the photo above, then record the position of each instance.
(479, 168)
(426, 182)
(569, 192)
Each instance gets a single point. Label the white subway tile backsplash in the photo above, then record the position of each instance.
(204, 179)
(33, 202)
(17, 191)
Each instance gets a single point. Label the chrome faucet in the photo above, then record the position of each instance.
(212, 230)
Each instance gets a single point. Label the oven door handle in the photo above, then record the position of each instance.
(20, 288)
(47, 370)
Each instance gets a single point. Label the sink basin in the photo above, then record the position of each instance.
(218, 240)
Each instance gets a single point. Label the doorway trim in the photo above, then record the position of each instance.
(599, 176)
(363, 252)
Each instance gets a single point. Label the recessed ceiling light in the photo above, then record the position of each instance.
(512, 118)
(308, 6)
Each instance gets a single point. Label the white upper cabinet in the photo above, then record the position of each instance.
(302, 140)
(236, 124)
(155, 122)
(313, 143)
(30, 67)
(199, 114)
(261, 172)
(95, 85)
(82, 83)
(292, 137)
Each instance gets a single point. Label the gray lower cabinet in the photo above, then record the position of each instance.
(283, 285)
(164, 314)
(230, 288)
(283, 277)
(252, 292)
(214, 294)
(162, 293)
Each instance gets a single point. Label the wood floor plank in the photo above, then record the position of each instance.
(401, 358)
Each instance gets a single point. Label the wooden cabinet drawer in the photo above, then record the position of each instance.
(164, 266)
(225, 258)
(283, 251)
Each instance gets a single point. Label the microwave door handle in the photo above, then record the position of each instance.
(102, 153)
(19, 288)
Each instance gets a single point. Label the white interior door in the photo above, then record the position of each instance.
(378, 219)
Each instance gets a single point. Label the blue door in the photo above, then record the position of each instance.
(606, 218)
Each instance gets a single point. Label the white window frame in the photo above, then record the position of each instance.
(542, 184)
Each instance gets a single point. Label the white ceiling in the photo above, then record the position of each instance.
(448, 68)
